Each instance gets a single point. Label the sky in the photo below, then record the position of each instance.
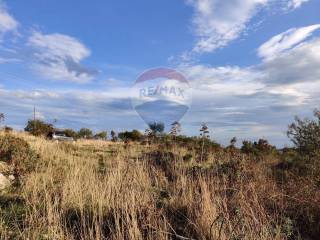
(252, 64)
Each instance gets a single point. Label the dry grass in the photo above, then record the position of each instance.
(101, 190)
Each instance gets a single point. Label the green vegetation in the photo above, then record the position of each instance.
(38, 128)
(305, 134)
(17, 152)
(134, 135)
(71, 133)
(85, 133)
(173, 187)
(101, 135)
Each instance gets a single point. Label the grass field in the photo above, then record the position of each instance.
(103, 190)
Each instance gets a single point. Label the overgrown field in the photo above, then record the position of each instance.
(103, 190)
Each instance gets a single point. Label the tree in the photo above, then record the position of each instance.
(85, 133)
(156, 128)
(71, 133)
(233, 141)
(305, 134)
(248, 147)
(263, 146)
(39, 128)
(113, 136)
(101, 135)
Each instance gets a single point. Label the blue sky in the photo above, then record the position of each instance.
(253, 64)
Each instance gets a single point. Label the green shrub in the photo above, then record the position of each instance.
(134, 135)
(17, 152)
(38, 128)
(71, 133)
(188, 157)
(85, 133)
(305, 134)
(260, 148)
(101, 135)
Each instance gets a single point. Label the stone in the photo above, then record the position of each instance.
(4, 182)
(11, 177)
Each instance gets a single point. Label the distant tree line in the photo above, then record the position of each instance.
(41, 128)
(304, 133)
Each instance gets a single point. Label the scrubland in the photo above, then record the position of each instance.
(104, 190)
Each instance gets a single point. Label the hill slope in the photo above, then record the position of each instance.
(102, 190)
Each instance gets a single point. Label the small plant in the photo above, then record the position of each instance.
(188, 157)
(2, 117)
(175, 129)
(102, 168)
(204, 134)
(8, 129)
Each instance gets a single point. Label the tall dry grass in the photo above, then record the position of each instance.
(101, 190)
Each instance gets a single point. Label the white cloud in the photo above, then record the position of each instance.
(59, 57)
(9, 60)
(59, 45)
(235, 100)
(7, 22)
(285, 41)
(297, 65)
(218, 22)
(223, 80)
(73, 109)
(293, 4)
(291, 78)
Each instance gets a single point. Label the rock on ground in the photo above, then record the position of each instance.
(4, 182)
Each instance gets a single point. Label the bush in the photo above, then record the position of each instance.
(305, 134)
(188, 157)
(135, 135)
(196, 142)
(17, 152)
(85, 133)
(71, 133)
(38, 128)
(156, 127)
(8, 129)
(262, 147)
(101, 135)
